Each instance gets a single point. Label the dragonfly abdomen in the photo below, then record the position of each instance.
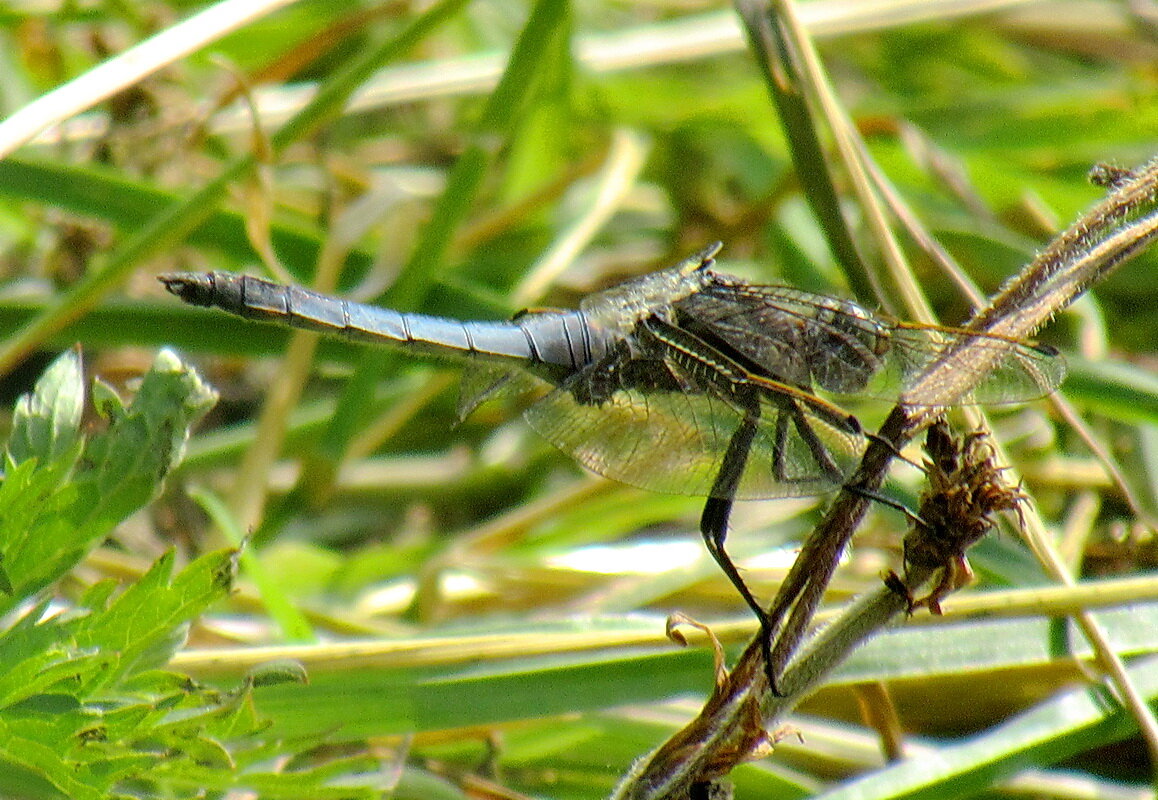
(559, 339)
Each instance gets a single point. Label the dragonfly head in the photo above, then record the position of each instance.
(701, 261)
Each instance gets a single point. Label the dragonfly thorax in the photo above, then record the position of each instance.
(621, 308)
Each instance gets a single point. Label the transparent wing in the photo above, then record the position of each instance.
(809, 339)
(1009, 371)
(794, 336)
(481, 382)
(674, 441)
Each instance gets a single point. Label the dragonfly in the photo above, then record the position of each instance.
(685, 381)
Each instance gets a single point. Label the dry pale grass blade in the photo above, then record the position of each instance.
(126, 69)
(690, 38)
(849, 146)
(626, 159)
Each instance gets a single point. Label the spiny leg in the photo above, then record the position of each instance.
(817, 448)
(892, 448)
(779, 447)
(717, 509)
(715, 519)
(714, 528)
(870, 494)
(885, 500)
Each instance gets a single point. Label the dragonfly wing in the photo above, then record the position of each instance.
(1010, 371)
(808, 339)
(482, 382)
(791, 335)
(674, 440)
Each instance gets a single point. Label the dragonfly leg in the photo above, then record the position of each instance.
(803, 587)
(714, 529)
(779, 447)
(883, 499)
(773, 649)
(797, 592)
(717, 510)
(896, 451)
(817, 448)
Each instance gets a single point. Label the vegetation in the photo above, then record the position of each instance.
(441, 609)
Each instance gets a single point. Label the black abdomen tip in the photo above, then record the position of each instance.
(196, 288)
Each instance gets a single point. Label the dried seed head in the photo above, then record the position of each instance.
(965, 489)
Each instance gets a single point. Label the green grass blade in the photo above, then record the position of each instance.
(1068, 723)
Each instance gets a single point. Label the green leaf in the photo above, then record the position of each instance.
(46, 423)
(36, 747)
(75, 717)
(106, 400)
(47, 524)
(271, 673)
(37, 537)
(145, 625)
(1115, 389)
(127, 463)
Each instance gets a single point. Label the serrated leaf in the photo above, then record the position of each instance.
(52, 669)
(47, 524)
(48, 703)
(145, 625)
(37, 538)
(272, 673)
(35, 744)
(68, 716)
(98, 596)
(163, 682)
(128, 462)
(46, 422)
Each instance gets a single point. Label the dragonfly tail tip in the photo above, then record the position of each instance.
(192, 287)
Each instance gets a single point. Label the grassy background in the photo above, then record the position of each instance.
(475, 614)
